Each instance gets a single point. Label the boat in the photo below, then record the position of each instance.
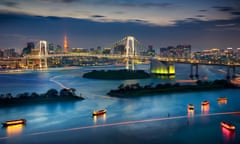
(205, 103)
(190, 107)
(99, 112)
(14, 122)
(227, 125)
(222, 99)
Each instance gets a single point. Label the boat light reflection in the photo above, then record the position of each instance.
(228, 135)
(14, 130)
(190, 112)
(205, 109)
(102, 117)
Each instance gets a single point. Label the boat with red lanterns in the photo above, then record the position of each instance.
(205, 103)
(14, 122)
(222, 99)
(99, 112)
(228, 125)
(190, 107)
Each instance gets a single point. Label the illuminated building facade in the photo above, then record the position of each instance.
(180, 51)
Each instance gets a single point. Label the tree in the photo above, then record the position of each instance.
(121, 87)
(9, 96)
(52, 93)
(34, 95)
(65, 92)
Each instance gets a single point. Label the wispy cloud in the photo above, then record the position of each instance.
(235, 13)
(223, 8)
(226, 25)
(97, 16)
(203, 10)
(68, 1)
(9, 4)
(200, 16)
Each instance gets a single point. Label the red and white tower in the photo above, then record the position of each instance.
(65, 44)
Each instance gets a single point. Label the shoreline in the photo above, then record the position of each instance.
(51, 96)
(122, 74)
(135, 90)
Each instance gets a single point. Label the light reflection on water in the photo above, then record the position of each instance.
(205, 108)
(228, 135)
(14, 130)
(100, 118)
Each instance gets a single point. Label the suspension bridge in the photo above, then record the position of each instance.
(129, 48)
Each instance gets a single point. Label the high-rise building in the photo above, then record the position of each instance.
(238, 53)
(27, 50)
(9, 53)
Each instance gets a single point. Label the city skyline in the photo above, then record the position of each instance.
(88, 24)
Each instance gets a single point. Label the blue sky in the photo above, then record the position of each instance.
(204, 24)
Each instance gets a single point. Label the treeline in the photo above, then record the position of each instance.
(150, 89)
(50, 96)
(116, 74)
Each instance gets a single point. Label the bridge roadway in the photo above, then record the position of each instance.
(163, 59)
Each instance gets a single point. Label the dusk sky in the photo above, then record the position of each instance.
(204, 24)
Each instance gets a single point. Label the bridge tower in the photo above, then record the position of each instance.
(38, 57)
(129, 47)
(43, 52)
(130, 51)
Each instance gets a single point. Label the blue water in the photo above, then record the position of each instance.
(149, 119)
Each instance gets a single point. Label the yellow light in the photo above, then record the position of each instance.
(14, 130)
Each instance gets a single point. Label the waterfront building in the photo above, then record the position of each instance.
(27, 50)
(54, 49)
(1, 53)
(150, 51)
(106, 50)
(6, 53)
(180, 51)
(238, 54)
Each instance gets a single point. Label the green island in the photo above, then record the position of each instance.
(122, 74)
(51, 96)
(134, 90)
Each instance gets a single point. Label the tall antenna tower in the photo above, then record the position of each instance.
(65, 44)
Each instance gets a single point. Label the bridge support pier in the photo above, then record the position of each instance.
(131, 63)
(228, 74)
(234, 72)
(196, 74)
(196, 71)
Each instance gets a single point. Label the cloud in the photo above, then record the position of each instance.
(200, 16)
(223, 8)
(68, 1)
(97, 16)
(187, 21)
(152, 4)
(203, 10)
(235, 13)
(139, 21)
(9, 4)
(226, 25)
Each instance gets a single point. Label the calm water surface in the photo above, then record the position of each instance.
(149, 119)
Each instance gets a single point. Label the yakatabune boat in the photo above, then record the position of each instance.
(14, 122)
(99, 112)
(227, 125)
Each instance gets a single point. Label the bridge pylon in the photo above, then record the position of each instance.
(38, 57)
